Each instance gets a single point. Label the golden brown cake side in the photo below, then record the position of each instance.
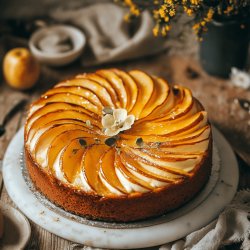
(118, 146)
(120, 209)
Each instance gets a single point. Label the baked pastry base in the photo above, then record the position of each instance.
(127, 208)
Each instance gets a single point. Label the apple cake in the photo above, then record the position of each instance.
(118, 146)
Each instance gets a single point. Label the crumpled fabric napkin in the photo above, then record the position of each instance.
(232, 226)
(110, 38)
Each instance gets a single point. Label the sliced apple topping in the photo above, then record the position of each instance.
(57, 107)
(41, 143)
(77, 90)
(93, 86)
(153, 141)
(145, 87)
(171, 164)
(182, 107)
(70, 161)
(103, 82)
(117, 84)
(108, 174)
(130, 182)
(152, 173)
(90, 165)
(71, 99)
(130, 88)
(59, 117)
(114, 133)
(63, 139)
(159, 95)
(161, 110)
(168, 127)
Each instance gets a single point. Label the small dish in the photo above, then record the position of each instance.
(16, 231)
(76, 36)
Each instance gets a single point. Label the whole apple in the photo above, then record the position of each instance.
(20, 69)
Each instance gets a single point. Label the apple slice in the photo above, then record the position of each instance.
(103, 82)
(178, 167)
(53, 107)
(63, 139)
(189, 141)
(189, 148)
(59, 117)
(145, 87)
(159, 95)
(130, 87)
(130, 139)
(167, 128)
(91, 167)
(70, 160)
(93, 86)
(154, 140)
(32, 135)
(42, 143)
(108, 174)
(117, 85)
(204, 132)
(164, 173)
(77, 90)
(130, 182)
(187, 131)
(182, 108)
(164, 108)
(71, 99)
(199, 136)
(136, 166)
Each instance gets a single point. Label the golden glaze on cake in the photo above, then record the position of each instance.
(156, 166)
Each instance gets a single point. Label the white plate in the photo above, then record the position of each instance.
(16, 229)
(200, 211)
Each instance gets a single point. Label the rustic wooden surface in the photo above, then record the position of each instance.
(215, 94)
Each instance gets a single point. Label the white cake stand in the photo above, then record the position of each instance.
(197, 213)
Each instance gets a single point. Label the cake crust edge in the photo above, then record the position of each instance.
(130, 208)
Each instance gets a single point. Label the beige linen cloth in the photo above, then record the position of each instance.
(232, 226)
(110, 38)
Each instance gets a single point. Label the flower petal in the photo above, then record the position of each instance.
(108, 121)
(120, 115)
(129, 120)
(111, 132)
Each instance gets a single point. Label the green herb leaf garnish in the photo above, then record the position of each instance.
(107, 110)
(110, 141)
(83, 143)
(139, 142)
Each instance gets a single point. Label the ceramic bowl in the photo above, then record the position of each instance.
(62, 58)
(16, 228)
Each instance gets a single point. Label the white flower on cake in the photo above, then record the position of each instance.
(116, 120)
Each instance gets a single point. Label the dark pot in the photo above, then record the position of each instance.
(225, 45)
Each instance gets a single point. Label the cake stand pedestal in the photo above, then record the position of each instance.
(205, 207)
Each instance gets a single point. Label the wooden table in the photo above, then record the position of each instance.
(175, 69)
